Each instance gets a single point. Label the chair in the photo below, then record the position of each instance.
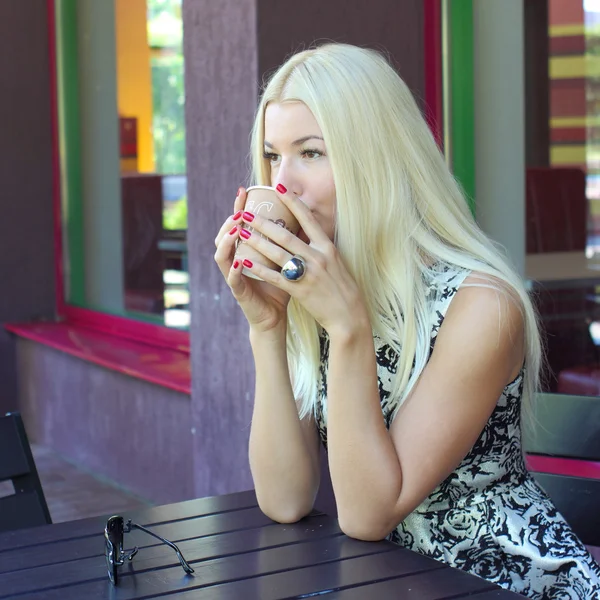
(27, 506)
(563, 454)
(556, 209)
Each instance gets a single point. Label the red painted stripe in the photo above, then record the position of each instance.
(570, 467)
(568, 134)
(565, 13)
(160, 366)
(434, 110)
(567, 45)
(568, 102)
(572, 82)
(129, 329)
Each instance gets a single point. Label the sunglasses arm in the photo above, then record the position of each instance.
(184, 563)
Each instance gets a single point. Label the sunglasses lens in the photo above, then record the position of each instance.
(110, 562)
(113, 541)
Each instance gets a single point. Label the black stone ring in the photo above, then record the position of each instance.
(294, 269)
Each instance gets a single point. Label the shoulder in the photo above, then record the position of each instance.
(484, 322)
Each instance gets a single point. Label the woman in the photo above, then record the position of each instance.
(398, 335)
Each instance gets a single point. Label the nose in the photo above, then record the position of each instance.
(288, 177)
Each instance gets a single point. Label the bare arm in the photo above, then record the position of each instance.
(284, 451)
(380, 477)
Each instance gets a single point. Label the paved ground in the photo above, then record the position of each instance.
(73, 493)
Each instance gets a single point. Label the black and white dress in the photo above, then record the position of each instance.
(488, 517)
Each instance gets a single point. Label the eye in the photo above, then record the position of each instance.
(271, 157)
(311, 154)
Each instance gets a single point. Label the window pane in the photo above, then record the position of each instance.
(562, 194)
(121, 97)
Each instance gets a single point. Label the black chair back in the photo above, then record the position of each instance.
(569, 427)
(27, 506)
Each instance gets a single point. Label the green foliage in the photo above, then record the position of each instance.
(168, 119)
(164, 23)
(177, 216)
(165, 30)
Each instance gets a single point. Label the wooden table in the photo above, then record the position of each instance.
(237, 554)
(562, 270)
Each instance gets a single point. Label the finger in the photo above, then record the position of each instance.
(307, 220)
(226, 250)
(266, 247)
(276, 234)
(235, 280)
(240, 200)
(227, 226)
(269, 276)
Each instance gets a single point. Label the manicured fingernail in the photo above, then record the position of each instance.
(233, 230)
(247, 263)
(248, 217)
(240, 190)
(237, 215)
(245, 233)
(236, 264)
(281, 188)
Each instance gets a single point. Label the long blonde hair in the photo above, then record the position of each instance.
(398, 210)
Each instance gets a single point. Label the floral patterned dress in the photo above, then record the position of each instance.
(489, 517)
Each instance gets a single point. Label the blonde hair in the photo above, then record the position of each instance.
(398, 209)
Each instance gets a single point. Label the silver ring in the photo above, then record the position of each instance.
(294, 269)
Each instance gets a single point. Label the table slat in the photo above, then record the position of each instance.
(155, 557)
(147, 516)
(243, 568)
(62, 551)
(318, 579)
(447, 583)
(496, 595)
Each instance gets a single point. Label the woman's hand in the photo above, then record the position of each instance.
(327, 290)
(264, 306)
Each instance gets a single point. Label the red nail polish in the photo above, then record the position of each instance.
(236, 264)
(248, 217)
(281, 188)
(237, 215)
(247, 263)
(240, 190)
(233, 230)
(245, 233)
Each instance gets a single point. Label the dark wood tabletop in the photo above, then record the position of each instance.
(237, 554)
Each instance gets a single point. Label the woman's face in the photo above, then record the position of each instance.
(297, 154)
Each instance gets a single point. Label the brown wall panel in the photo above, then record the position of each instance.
(393, 26)
(26, 230)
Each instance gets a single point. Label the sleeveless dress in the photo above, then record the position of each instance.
(489, 517)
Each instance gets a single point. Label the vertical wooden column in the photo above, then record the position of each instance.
(220, 48)
(26, 226)
(537, 84)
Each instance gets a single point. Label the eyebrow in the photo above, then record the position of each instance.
(300, 141)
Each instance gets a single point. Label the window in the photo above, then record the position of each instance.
(562, 63)
(120, 93)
